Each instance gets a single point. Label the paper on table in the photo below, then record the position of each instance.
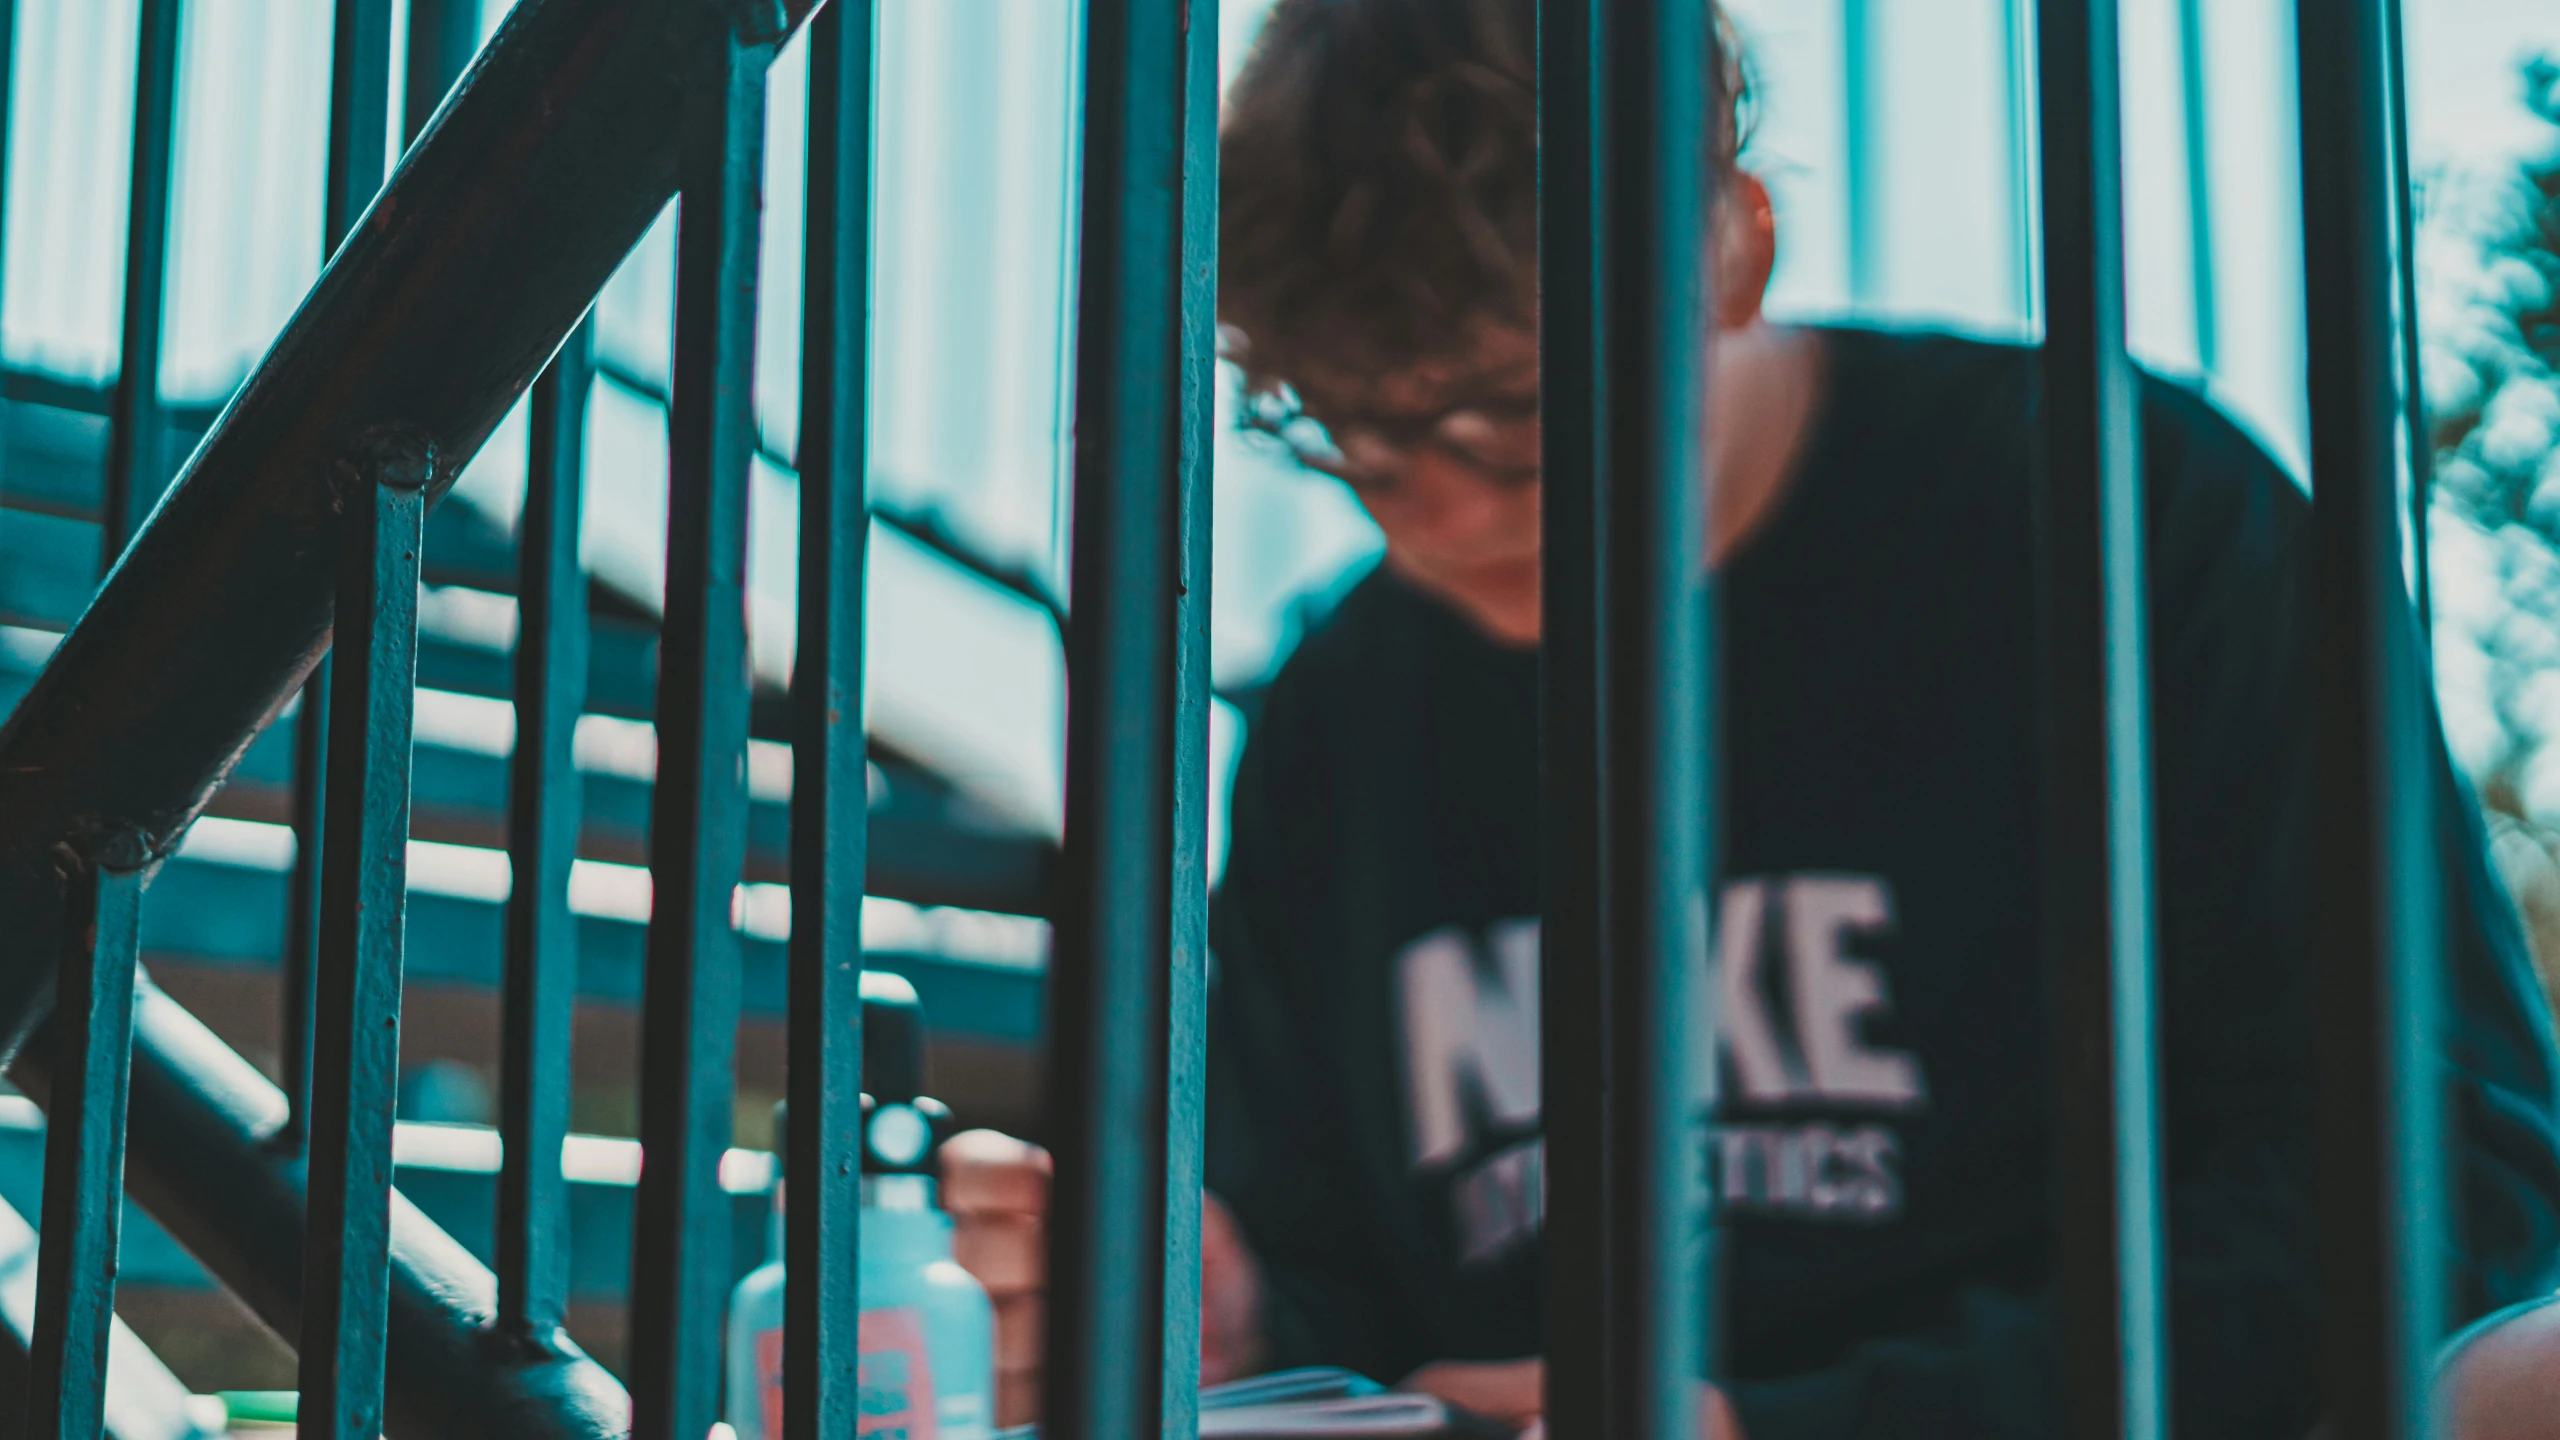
(1322, 1404)
(1289, 1387)
(1347, 1416)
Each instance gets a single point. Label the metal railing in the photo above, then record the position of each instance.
(1628, 103)
(457, 286)
(300, 517)
(1626, 818)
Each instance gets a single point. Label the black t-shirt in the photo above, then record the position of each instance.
(1879, 1156)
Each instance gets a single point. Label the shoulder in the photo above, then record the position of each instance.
(1992, 391)
(2227, 522)
(1327, 699)
(1923, 432)
(1936, 379)
(1358, 649)
(2198, 459)
(2213, 491)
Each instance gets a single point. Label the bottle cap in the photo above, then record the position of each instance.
(902, 1128)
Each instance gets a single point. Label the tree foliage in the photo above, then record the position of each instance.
(2489, 306)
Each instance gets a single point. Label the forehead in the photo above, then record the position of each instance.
(1499, 362)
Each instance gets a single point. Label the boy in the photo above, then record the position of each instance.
(1879, 1160)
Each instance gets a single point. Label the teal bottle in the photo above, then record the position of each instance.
(927, 1332)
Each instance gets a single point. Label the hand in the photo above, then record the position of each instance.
(996, 1189)
(1516, 1391)
(2500, 1386)
(1230, 1297)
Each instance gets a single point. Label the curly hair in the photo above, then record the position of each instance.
(1378, 190)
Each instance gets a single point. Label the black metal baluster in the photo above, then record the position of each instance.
(355, 1069)
(2096, 908)
(561, 150)
(1624, 336)
(359, 105)
(830, 807)
(1658, 60)
(697, 826)
(301, 968)
(544, 794)
(1186, 1027)
(84, 1157)
(1124, 1058)
(443, 36)
(2377, 922)
(137, 438)
(359, 115)
(1573, 985)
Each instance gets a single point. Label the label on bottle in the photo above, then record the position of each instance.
(896, 1394)
(769, 1379)
(894, 1399)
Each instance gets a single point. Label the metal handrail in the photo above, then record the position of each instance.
(547, 165)
(537, 176)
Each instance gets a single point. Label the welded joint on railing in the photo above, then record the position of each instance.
(400, 456)
(115, 843)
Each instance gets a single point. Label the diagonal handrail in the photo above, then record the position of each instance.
(539, 174)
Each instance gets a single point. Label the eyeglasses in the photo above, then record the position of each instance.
(1496, 438)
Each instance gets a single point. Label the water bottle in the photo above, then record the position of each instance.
(927, 1340)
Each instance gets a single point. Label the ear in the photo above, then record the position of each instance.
(1746, 249)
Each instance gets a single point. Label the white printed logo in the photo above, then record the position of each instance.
(1830, 994)
(1470, 1013)
(1469, 1025)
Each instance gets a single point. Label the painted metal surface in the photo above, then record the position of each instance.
(2376, 918)
(1573, 864)
(697, 831)
(830, 801)
(200, 1110)
(92, 1033)
(299, 979)
(563, 146)
(1186, 1025)
(143, 1400)
(359, 105)
(1573, 1034)
(545, 796)
(137, 465)
(1659, 732)
(2096, 911)
(448, 1172)
(359, 115)
(1125, 1023)
(932, 842)
(364, 888)
(443, 36)
(564, 139)
(1627, 701)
